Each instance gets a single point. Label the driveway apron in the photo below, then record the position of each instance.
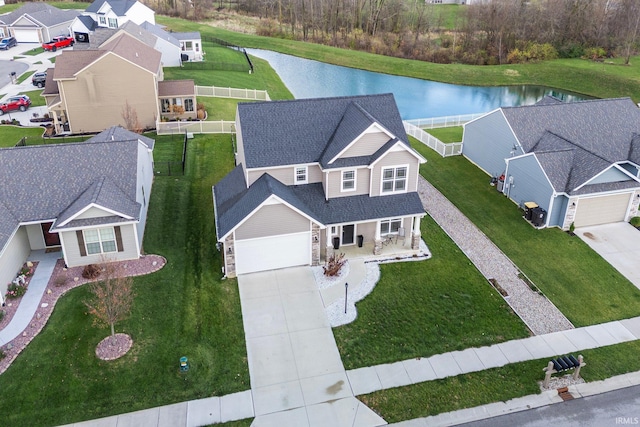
(297, 376)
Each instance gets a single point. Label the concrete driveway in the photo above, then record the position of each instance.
(297, 376)
(619, 244)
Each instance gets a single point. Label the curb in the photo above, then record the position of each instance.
(524, 403)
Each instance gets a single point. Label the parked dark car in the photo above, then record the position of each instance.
(20, 102)
(39, 79)
(8, 42)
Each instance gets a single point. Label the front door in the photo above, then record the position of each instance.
(347, 234)
(50, 239)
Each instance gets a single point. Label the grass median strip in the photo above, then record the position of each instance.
(493, 385)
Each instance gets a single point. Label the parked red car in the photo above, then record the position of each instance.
(20, 102)
(58, 43)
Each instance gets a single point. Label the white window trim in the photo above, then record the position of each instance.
(389, 222)
(86, 243)
(395, 168)
(342, 180)
(295, 175)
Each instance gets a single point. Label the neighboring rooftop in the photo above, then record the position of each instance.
(176, 88)
(119, 7)
(42, 12)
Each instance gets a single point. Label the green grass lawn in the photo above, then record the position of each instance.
(24, 77)
(493, 385)
(37, 100)
(221, 108)
(35, 51)
(12, 134)
(586, 288)
(575, 75)
(419, 309)
(185, 309)
(447, 135)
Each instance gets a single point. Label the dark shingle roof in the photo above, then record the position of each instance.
(576, 141)
(118, 133)
(88, 22)
(55, 178)
(234, 202)
(119, 7)
(193, 35)
(300, 130)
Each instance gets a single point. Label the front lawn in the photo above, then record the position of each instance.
(185, 309)
(585, 288)
(423, 308)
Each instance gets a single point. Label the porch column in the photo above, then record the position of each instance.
(377, 243)
(315, 244)
(415, 233)
(229, 256)
(329, 245)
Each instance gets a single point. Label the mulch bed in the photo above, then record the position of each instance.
(11, 304)
(113, 347)
(55, 289)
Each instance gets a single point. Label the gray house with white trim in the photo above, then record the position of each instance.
(580, 161)
(36, 22)
(314, 173)
(87, 199)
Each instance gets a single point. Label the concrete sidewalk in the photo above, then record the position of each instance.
(412, 371)
(31, 299)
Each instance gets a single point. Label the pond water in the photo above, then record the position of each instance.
(416, 98)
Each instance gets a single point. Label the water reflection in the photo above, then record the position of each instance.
(416, 98)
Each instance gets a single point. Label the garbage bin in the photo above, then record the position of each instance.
(360, 240)
(336, 243)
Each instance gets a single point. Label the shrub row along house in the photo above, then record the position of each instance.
(314, 173)
(89, 199)
(579, 161)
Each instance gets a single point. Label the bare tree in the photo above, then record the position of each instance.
(130, 117)
(112, 296)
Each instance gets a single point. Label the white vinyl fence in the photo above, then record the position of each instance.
(230, 92)
(196, 126)
(444, 122)
(445, 150)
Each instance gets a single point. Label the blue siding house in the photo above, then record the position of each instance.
(579, 161)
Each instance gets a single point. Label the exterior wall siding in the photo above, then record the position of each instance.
(272, 220)
(395, 158)
(239, 143)
(57, 30)
(93, 213)
(144, 181)
(368, 144)
(286, 174)
(335, 183)
(14, 255)
(36, 238)
(558, 211)
(529, 182)
(488, 141)
(72, 251)
(95, 100)
(610, 175)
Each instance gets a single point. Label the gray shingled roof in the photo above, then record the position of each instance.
(192, 35)
(299, 131)
(55, 178)
(586, 137)
(41, 12)
(118, 133)
(234, 202)
(160, 33)
(119, 7)
(88, 22)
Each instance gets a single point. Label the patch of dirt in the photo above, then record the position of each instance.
(233, 21)
(589, 236)
(114, 347)
(511, 73)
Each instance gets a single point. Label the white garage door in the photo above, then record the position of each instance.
(26, 36)
(270, 253)
(601, 210)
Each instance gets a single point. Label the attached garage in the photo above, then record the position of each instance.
(602, 210)
(269, 253)
(27, 35)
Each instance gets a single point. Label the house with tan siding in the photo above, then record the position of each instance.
(88, 200)
(315, 175)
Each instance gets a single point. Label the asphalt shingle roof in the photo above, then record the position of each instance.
(55, 177)
(176, 88)
(599, 133)
(192, 35)
(41, 12)
(118, 133)
(300, 131)
(119, 7)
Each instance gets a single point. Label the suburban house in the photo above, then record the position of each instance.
(87, 199)
(36, 22)
(190, 46)
(110, 14)
(91, 90)
(579, 161)
(313, 175)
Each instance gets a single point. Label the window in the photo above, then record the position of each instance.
(113, 23)
(188, 104)
(349, 180)
(101, 240)
(103, 20)
(197, 47)
(334, 230)
(390, 226)
(301, 175)
(187, 46)
(166, 106)
(394, 179)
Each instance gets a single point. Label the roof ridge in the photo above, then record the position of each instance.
(563, 103)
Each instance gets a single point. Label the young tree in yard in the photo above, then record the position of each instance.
(130, 117)
(112, 296)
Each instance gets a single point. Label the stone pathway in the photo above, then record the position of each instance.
(535, 310)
